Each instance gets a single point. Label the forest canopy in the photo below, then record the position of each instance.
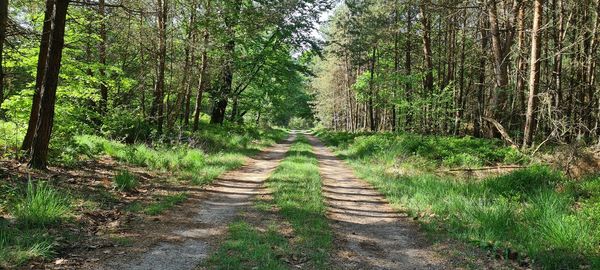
(139, 70)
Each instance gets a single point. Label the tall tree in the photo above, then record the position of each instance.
(43, 131)
(102, 46)
(3, 26)
(534, 72)
(221, 98)
(40, 71)
(203, 78)
(158, 105)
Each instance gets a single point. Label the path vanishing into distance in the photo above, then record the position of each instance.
(368, 233)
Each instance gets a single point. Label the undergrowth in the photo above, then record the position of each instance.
(193, 161)
(534, 212)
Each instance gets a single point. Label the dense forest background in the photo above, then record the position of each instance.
(519, 70)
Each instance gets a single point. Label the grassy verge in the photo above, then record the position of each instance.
(206, 156)
(296, 186)
(530, 214)
(40, 209)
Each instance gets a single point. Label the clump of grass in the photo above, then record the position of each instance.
(165, 203)
(248, 248)
(42, 206)
(125, 181)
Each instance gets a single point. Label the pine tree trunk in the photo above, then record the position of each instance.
(427, 54)
(534, 73)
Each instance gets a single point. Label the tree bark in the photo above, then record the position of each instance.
(41, 68)
(43, 131)
(427, 53)
(408, 67)
(372, 124)
(534, 73)
(159, 90)
(480, 104)
(102, 57)
(500, 51)
(3, 24)
(202, 80)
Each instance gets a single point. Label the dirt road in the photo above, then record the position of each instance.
(368, 233)
(197, 237)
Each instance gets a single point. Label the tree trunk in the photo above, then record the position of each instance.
(41, 66)
(43, 131)
(480, 104)
(427, 53)
(500, 51)
(102, 55)
(159, 90)
(221, 98)
(3, 24)
(202, 80)
(461, 87)
(521, 63)
(183, 99)
(558, 62)
(372, 123)
(534, 73)
(408, 67)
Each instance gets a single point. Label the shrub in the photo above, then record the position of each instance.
(125, 181)
(42, 206)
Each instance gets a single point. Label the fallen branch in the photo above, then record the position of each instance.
(502, 131)
(488, 168)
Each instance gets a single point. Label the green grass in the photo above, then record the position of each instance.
(35, 208)
(249, 248)
(296, 186)
(18, 246)
(165, 203)
(208, 154)
(42, 206)
(125, 181)
(430, 151)
(536, 211)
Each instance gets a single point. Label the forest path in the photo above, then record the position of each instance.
(368, 233)
(202, 227)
